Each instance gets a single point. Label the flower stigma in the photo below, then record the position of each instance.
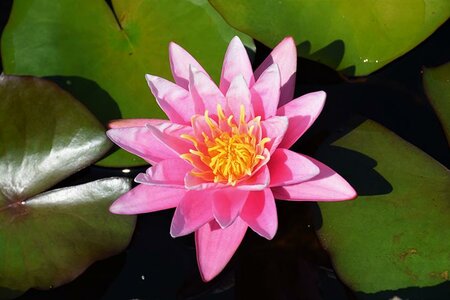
(226, 151)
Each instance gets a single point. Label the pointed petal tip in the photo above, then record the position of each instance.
(290, 40)
(174, 233)
(235, 39)
(352, 194)
(320, 94)
(174, 46)
(118, 208)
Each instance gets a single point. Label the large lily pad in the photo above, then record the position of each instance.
(47, 239)
(85, 39)
(356, 36)
(437, 87)
(396, 234)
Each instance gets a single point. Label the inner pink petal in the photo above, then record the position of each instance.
(239, 95)
(204, 92)
(285, 56)
(174, 100)
(180, 60)
(287, 167)
(266, 92)
(236, 62)
(274, 128)
(301, 113)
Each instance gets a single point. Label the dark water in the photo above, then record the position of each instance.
(293, 265)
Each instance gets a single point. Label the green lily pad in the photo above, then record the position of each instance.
(47, 239)
(357, 37)
(396, 234)
(437, 86)
(85, 39)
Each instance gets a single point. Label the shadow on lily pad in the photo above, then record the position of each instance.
(6, 293)
(437, 292)
(88, 92)
(330, 55)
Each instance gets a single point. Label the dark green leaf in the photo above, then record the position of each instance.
(47, 239)
(86, 41)
(357, 37)
(437, 86)
(396, 234)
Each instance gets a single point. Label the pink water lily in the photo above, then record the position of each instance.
(222, 157)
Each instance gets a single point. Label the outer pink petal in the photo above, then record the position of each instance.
(193, 211)
(301, 112)
(169, 172)
(227, 204)
(238, 94)
(275, 129)
(260, 213)
(124, 123)
(204, 92)
(215, 246)
(327, 186)
(169, 134)
(236, 62)
(180, 60)
(174, 100)
(266, 92)
(287, 167)
(285, 56)
(141, 142)
(146, 198)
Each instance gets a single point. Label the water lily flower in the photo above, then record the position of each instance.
(222, 157)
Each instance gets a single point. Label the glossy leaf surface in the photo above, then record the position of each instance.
(396, 234)
(437, 86)
(47, 239)
(355, 36)
(91, 46)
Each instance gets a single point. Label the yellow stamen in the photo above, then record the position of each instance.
(230, 154)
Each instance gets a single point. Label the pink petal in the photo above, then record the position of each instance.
(236, 62)
(121, 123)
(204, 92)
(266, 92)
(327, 186)
(146, 198)
(258, 181)
(169, 172)
(275, 129)
(195, 183)
(193, 211)
(180, 60)
(174, 100)
(215, 246)
(238, 94)
(301, 112)
(227, 204)
(169, 134)
(285, 56)
(200, 125)
(287, 167)
(260, 213)
(141, 142)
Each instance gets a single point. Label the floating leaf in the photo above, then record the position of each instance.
(47, 239)
(437, 87)
(353, 36)
(396, 234)
(85, 41)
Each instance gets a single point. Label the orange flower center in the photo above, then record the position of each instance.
(230, 151)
